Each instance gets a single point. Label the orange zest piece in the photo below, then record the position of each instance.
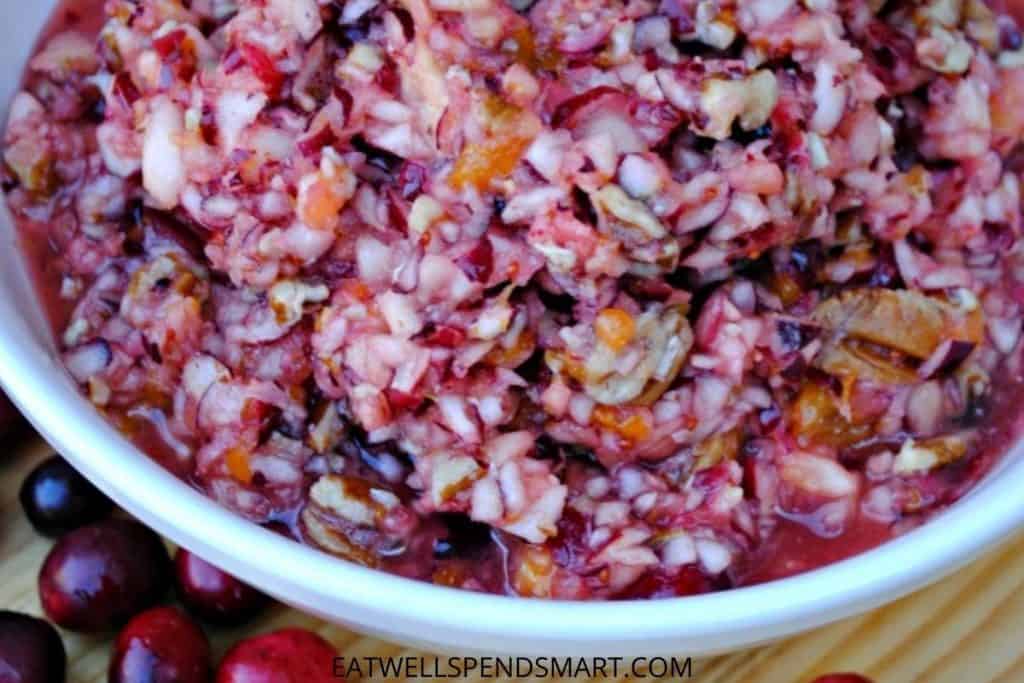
(615, 328)
(814, 416)
(715, 449)
(357, 290)
(532, 577)
(528, 54)
(322, 202)
(237, 461)
(514, 354)
(507, 135)
(606, 417)
(479, 163)
(634, 428)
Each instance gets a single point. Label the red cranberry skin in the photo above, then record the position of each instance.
(214, 595)
(161, 645)
(31, 650)
(842, 678)
(291, 655)
(10, 418)
(97, 577)
(57, 499)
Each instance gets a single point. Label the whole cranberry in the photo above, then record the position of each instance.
(842, 678)
(10, 418)
(30, 650)
(161, 645)
(212, 594)
(57, 499)
(291, 655)
(97, 577)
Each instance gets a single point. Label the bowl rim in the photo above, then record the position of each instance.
(38, 384)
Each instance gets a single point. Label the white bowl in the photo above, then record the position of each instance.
(430, 616)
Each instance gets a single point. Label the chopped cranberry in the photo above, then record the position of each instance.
(335, 270)
(569, 547)
(769, 417)
(478, 262)
(445, 335)
(411, 177)
(57, 499)
(662, 117)
(123, 87)
(232, 60)
(345, 97)
(891, 55)
(290, 655)
(96, 577)
(262, 65)
(161, 645)
(401, 400)
(387, 77)
(404, 18)
(31, 650)
(679, 13)
(177, 52)
(396, 208)
(648, 288)
(1010, 37)
(208, 125)
(168, 43)
(566, 112)
(313, 143)
(212, 594)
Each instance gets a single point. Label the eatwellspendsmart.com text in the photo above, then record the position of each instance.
(389, 668)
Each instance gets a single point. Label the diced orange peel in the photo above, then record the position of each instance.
(237, 461)
(323, 200)
(715, 449)
(615, 328)
(480, 163)
(529, 55)
(533, 574)
(507, 135)
(633, 428)
(903, 320)
(815, 417)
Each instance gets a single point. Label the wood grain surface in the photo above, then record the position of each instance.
(968, 628)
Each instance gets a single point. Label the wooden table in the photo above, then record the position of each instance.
(968, 628)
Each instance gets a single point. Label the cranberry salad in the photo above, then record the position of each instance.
(576, 299)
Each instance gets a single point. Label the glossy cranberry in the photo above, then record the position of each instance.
(291, 655)
(97, 577)
(842, 678)
(478, 262)
(213, 594)
(10, 418)
(161, 645)
(30, 650)
(57, 499)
